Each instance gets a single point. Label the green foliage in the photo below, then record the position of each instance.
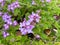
(46, 21)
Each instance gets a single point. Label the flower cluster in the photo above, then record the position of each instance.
(2, 2)
(34, 17)
(7, 18)
(8, 21)
(12, 6)
(27, 26)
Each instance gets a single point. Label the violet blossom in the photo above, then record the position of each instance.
(34, 17)
(2, 2)
(15, 23)
(5, 34)
(13, 6)
(7, 18)
(25, 28)
(6, 26)
(24, 24)
(33, 2)
(48, 0)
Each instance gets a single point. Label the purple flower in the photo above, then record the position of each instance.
(15, 23)
(34, 17)
(10, 8)
(5, 34)
(28, 22)
(30, 31)
(33, 2)
(6, 26)
(13, 6)
(25, 27)
(48, 0)
(23, 31)
(7, 18)
(23, 23)
(16, 4)
(1, 13)
(2, 2)
(9, 22)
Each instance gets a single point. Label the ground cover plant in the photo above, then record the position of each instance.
(29, 22)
